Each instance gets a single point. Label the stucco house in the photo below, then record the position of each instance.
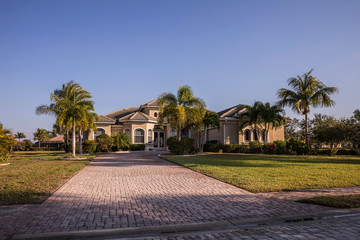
(140, 123)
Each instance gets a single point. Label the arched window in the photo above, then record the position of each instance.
(99, 131)
(155, 114)
(256, 138)
(139, 136)
(172, 132)
(263, 135)
(150, 135)
(247, 135)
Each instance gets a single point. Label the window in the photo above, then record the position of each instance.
(99, 131)
(155, 114)
(247, 135)
(139, 136)
(256, 138)
(172, 132)
(150, 136)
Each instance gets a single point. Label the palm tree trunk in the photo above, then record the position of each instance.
(179, 134)
(73, 140)
(66, 140)
(39, 144)
(306, 127)
(80, 142)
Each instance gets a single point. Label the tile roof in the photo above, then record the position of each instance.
(121, 112)
(231, 112)
(105, 119)
(137, 116)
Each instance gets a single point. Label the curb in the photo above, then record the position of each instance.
(133, 232)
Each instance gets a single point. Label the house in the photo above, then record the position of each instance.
(55, 143)
(140, 123)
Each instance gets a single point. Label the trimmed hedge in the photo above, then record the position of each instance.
(137, 147)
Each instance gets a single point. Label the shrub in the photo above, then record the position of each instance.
(185, 145)
(212, 147)
(280, 147)
(269, 148)
(89, 146)
(346, 152)
(255, 147)
(121, 142)
(104, 143)
(137, 147)
(70, 147)
(299, 146)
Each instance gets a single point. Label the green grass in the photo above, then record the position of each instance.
(342, 201)
(267, 173)
(32, 176)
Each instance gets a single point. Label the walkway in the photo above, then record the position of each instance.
(121, 190)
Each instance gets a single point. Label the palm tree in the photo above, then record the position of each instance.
(75, 105)
(251, 118)
(87, 123)
(211, 119)
(41, 135)
(271, 116)
(19, 135)
(178, 110)
(307, 91)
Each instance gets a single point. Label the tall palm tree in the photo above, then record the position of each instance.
(252, 118)
(306, 91)
(271, 116)
(178, 110)
(19, 135)
(87, 123)
(41, 135)
(75, 105)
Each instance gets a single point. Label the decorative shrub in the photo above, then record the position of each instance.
(104, 143)
(185, 145)
(299, 146)
(89, 146)
(137, 147)
(255, 147)
(121, 142)
(281, 147)
(269, 148)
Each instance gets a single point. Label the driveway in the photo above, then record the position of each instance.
(121, 190)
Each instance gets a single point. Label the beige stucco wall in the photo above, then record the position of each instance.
(213, 134)
(277, 134)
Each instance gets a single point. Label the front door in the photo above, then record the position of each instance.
(159, 139)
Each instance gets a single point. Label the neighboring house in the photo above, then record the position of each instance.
(229, 129)
(55, 143)
(140, 123)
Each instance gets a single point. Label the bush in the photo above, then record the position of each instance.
(104, 143)
(121, 142)
(185, 145)
(280, 147)
(299, 146)
(212, 147)
(137, 147)
(89, 146)
(269, 148)
(339, 152)
(255, 147)
(70, 147)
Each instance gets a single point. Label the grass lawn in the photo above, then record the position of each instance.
(32, 176)
(267, 173)
(342, 201)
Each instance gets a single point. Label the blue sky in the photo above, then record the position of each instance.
(128, 52)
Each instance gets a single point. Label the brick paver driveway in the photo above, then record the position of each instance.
(121, 190)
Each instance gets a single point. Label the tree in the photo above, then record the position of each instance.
(41, 135)
(19, 135)
(6, 143)
(251, 117)
(72, 107)
(211, 119)
(306, 91)
(179, 110)
(121, 141)
(330, 131)
(270, 116)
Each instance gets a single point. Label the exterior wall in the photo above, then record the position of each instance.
(152, 111)
(277, 134)
(116, 129)
(212, 134)
(106, 127)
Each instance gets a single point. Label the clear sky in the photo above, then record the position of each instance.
(128, 52)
